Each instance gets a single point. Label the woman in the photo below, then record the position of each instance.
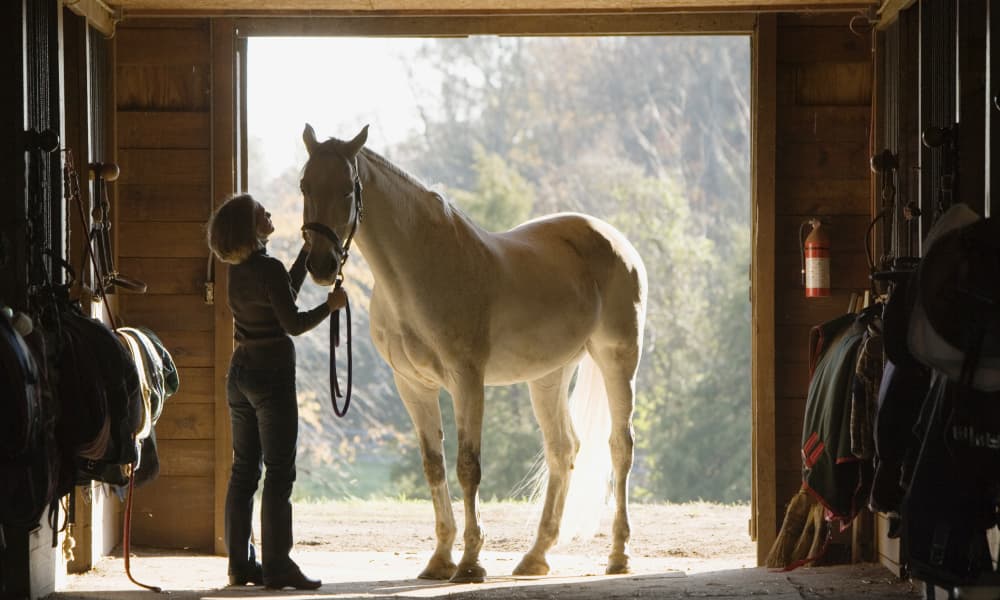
(261, 390)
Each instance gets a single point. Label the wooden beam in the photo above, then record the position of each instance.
(235, 8)
(404, 7)
(764, 509)
(972, 102)
(889, 11)
(408, 26)
(100, 16)
(992, 121)
(223, 152)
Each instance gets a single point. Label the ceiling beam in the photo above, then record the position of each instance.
(98, 13)
(469, 7)
(889, 11)
(545, 25)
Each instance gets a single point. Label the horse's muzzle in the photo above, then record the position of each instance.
(323, 266)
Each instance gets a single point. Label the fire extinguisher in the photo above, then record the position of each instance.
(815, 259)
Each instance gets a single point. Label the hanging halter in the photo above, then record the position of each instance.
(341, 250)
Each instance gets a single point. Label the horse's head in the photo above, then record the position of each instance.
(331, 192)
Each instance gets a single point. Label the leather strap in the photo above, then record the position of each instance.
(334, 342)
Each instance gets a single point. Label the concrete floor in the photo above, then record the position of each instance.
(391, 575)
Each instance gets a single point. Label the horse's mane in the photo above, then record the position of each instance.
(446, 206)
(333, 145)
(384, 163)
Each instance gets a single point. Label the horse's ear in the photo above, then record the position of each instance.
(309, 137)
(354, 146)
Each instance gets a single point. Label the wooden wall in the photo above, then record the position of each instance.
(823, 116)
(164, 197)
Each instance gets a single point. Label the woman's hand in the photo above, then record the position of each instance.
(337, 299)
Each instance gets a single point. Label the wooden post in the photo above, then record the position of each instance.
(223, 185)
(764, 509)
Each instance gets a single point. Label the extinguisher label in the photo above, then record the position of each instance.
(817, 272)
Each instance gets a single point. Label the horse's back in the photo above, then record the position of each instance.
(582, 273)
(581, 242)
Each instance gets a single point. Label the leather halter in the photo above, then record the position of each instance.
(331, 235)
(342, 250)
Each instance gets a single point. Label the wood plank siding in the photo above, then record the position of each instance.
(163, 90)
(823, 122)
(422, 7)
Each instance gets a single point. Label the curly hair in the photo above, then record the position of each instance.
(232, 229)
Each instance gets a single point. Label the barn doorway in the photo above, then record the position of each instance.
(651, 133)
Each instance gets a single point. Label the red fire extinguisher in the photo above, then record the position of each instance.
(815, 254)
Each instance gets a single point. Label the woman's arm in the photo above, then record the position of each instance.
(297, 274)
(282, 296)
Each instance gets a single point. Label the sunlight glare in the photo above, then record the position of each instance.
(336, 84)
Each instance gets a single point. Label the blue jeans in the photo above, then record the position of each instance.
(264, 416)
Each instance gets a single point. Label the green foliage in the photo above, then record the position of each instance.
(692, 409)
(501, 198)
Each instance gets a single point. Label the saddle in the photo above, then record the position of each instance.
(158, 380)
(28, 455)
(100, 398)
(20, 413)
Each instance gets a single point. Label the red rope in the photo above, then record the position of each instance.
(127, 533)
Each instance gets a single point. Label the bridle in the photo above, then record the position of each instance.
(331, 235)
(341, 249)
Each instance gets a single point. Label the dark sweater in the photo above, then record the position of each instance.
(262, 297)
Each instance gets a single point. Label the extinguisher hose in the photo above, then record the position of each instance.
(802, 251)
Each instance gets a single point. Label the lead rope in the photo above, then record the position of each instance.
(334, 343)
(335, 316)
(127, 533)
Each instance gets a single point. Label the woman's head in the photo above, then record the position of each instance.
(237, 228)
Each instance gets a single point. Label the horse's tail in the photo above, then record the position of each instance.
(590, 481)
(589, 486)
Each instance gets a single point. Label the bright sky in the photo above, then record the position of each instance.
(336, 84)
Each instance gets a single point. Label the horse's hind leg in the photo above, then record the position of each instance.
(468, 399)
(548, 399)
(618, 365)
(422, 405)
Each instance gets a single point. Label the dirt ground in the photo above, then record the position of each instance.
(376, 549)
(683, 537)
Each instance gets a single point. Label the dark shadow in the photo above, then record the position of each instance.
(869, 581)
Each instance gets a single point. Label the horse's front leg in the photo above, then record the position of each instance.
(468, 399)
(422, 404)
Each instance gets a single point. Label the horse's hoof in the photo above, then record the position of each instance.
(438, 570)
(531, 567)
(618, 568)
(472, 573)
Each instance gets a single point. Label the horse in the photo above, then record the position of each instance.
(457, 307)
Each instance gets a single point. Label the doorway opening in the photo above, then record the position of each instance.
(651, 133)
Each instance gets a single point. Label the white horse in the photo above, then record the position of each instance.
(458, 307)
